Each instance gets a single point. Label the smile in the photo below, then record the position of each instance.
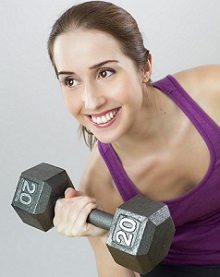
(104, 118)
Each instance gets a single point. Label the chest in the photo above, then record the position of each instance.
(174, 169)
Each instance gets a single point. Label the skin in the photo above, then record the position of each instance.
(143, 132)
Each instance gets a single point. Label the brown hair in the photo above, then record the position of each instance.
(108, 18)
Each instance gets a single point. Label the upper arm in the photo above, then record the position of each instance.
(97, 182)
(106, 266)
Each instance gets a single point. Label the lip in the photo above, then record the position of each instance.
(116, 113)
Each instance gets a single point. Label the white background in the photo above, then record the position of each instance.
(36, 127)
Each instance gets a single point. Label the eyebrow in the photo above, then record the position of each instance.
(64, 73)
(91, 67)
(103, 63)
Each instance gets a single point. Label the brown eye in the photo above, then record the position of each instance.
(71, 82)
(105, 73)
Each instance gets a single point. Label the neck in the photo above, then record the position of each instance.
(154, 124)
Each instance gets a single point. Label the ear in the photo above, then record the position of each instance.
(147, 69)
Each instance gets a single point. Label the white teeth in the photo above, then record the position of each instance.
(99, 120)
(108, 117)
(104, 118)
(94, 119)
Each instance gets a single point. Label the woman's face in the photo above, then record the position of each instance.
(102, 88)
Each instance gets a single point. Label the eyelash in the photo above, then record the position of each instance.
(66, 81)
(102, 70)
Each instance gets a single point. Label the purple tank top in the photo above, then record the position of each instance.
(196, 214)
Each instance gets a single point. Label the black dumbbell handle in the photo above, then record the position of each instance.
(100, 219)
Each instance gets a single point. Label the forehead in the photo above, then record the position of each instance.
(85, 47)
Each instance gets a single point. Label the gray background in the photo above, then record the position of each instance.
(36, 127)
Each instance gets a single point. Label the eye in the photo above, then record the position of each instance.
(105, 73)
(70, 82)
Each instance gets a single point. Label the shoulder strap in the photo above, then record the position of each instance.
(124, 185)
(200, 119)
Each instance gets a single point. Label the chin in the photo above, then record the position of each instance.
(107, 139)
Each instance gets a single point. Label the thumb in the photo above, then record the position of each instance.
(71, 192)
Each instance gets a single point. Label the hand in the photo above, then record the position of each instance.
(71, 214)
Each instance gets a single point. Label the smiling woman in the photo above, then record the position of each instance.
(90, 16)
(158, 139)
(98, 81)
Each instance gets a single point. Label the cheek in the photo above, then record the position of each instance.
(73, 104)
(128, 91)
(120, 90)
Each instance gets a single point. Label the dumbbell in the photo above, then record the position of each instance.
(140, 232)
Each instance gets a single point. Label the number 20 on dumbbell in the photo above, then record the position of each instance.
(126, 233)
(27, 193)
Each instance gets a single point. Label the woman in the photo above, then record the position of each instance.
(165, 136)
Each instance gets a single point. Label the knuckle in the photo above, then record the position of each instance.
(59, 230)
(55, 221)
(88, 199)
(58, 202)
(67, 234)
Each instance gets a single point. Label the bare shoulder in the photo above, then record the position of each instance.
(208, 75)
(97, 182)
(203, 85)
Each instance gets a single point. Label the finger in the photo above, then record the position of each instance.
(78, 208)
(81, 227)
(70, 192)
(64, 214)
(74, 213)
(57, 212)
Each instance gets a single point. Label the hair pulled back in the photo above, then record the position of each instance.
(105, 17)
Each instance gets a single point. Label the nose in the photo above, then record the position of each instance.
(93, 97)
